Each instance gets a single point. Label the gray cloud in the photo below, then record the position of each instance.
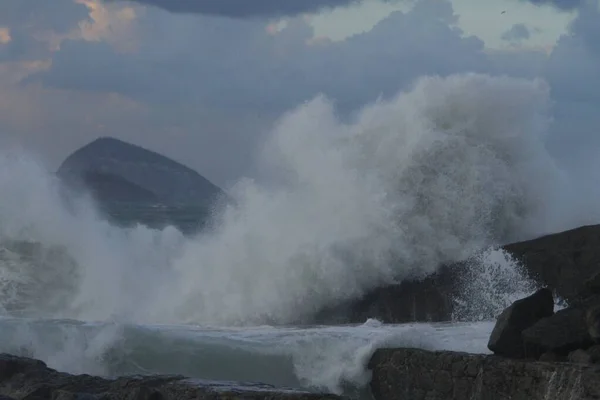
(245, 8)
(204, 90)
(560, 4)
(516, 33)
(271, 73)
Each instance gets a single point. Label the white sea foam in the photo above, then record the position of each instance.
(447, 168)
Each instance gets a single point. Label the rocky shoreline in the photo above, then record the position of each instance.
(538, 353)
(414, 374)
(28, 379)
(560, 261)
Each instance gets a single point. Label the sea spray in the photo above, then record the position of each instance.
(491, 281)
(430, 176)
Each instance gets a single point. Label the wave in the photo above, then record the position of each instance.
(315, 358)
(440, 171)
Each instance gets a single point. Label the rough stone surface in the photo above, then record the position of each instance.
(550, 356)
(592, 321)
(28, 379)
(580, 356)
(506, 338)
(562, 333)
(591, 286)
(561, 261)
(594, 353)
(413, 374)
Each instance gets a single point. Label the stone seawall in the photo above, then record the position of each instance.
(414, 374)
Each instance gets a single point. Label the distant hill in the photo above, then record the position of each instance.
(124, 177)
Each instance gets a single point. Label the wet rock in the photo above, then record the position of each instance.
(506, 337)
(550, 356)
(594, 353)
(591, 286)
(561, 261)
(563, 332)
(592, 321)
(408, 374)
(580, 356)
(24, 378)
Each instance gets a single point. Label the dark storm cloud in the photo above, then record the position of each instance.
(270, 72)
(27, 20)
(246, 8)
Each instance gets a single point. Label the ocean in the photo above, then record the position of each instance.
(451, 168)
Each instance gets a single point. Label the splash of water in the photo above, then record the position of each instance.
(430, 176)
(492, 281)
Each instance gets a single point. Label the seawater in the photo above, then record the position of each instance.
(320, 358)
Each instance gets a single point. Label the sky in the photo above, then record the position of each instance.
(202, 81)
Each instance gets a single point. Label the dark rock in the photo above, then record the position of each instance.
(24, 378)
(506, 338)
(561, 261)
(580, 356)
(592, 321)
(409, 374)
(594, 353)
(426, 299)
(563, 332)
(550, 356)
(591, 286)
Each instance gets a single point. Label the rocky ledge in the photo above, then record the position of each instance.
(538, 354)
(560, 261)
(28, 379)
(413, 374)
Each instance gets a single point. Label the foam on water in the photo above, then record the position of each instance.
(331, 358)
(432, 175)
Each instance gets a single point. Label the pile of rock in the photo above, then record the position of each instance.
(530, 329)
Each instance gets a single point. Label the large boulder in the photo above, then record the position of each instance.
(563, 332)
(506, 337)
(23, 378)
(409, 374)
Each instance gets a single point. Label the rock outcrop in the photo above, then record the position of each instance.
(539, 333)
(506, 338)
(539, 355)
(562, 262)
(135, 185)
(414, 374)
(24, 378)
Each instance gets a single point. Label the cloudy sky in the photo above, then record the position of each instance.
(202, 80)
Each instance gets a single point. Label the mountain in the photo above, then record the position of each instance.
(136, 184)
